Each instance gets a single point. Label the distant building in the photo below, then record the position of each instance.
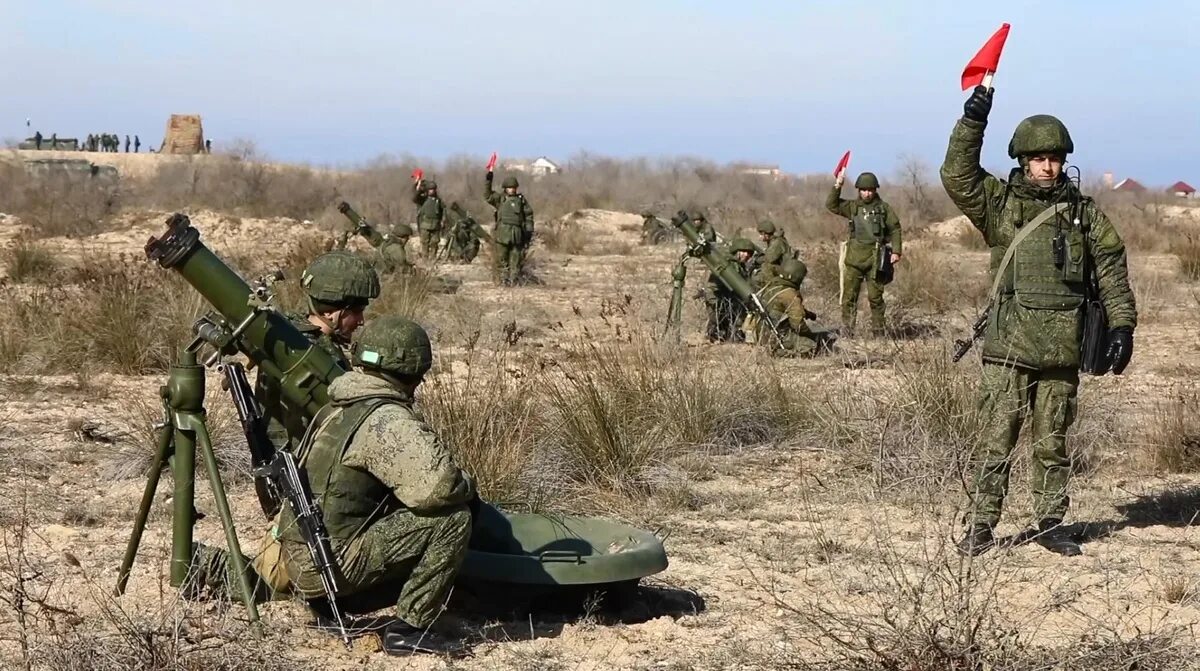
(1129, 185)
(538, 167)
(1182, 189)
(771, 171)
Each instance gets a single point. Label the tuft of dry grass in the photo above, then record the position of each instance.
(1173, 440)
(28, 261)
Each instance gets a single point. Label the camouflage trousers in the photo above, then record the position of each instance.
(725, 314)
(853, 277)
(510, 259)
(404, 560)
(430, 240)
(1006, 396)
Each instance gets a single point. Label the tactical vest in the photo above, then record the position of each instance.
(870, 222)
(350, 498)
(1034, 275)
(510, 219)
(429, 215)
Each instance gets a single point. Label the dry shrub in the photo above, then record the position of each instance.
(564, 236)
(1173, 440)
(57, 202)
(28, 261)
(121, 318)
(936, 283)
(1187, 250)
(489, 420)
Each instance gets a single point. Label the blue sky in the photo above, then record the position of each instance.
(788, 82)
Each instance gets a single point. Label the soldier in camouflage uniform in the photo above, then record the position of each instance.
(703, 227)
(786, 305)
(1031, 352)
(873, 224)
(393, 250)
(397, 508)
(464, 235)
(431, 213)
(394, 502)
(724, 309)
(777, 251)
(514, 227)
(339, 286)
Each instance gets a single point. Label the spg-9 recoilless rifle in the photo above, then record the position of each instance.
(725, 268)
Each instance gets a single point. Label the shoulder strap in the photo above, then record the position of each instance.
(1044, 216)
(364, 409)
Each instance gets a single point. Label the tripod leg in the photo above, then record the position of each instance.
(183, 514)
(236, 558)
(139, 525)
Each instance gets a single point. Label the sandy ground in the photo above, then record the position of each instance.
(777, 539)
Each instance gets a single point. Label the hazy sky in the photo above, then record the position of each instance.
(784, 81)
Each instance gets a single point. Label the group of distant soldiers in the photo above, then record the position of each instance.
(776, 316)
(111, 143)
(451, 234)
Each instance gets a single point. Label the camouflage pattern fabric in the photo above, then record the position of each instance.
(513, 234)
(1006, 396)
(1036, 322)
(431, 212)
(1031, 346)
(785, 303)
(871, 224)
(392, 498)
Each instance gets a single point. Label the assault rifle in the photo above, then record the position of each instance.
(277, 477)
(963, 345)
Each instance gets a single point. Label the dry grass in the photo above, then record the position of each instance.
(30, 262)
(1173, 441)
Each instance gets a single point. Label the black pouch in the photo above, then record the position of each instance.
(884, 270)
(1093, 358)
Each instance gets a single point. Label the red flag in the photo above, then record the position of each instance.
(842, 164)
(418, 175)
(491, 166)
(986, 61)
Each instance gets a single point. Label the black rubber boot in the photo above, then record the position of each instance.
(978, 540)
(1054, 537)
(401, 638)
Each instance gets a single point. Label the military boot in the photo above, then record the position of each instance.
(401, 638)
(1053, 536)
(978, 540)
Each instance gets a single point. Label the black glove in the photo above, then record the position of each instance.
(490, 175)
(809, 314)
(979, 104)
(679, 218)
(1120, 348)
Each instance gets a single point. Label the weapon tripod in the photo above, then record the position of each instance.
(184, 430)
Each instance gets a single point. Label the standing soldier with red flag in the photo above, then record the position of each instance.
(874, 238)
(514, 225)
(1048, 243)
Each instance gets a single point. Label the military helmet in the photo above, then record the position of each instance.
(402, 231)
(395, 345)
(509, 183)
(793, 271)
(340, 278)
(648, 214)
(1040, 134)
(429, 184)
(742, 245)
(766, 227)
(867, 180)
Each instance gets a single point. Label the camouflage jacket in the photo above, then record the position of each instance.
(430, 209)
(871, 222)
(1036, 321)
(784, 300)
(514, 217)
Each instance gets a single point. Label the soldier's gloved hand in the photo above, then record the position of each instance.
(680, 217)
(1120, 348)
(490, 175)
(979, 104)
(809, 314)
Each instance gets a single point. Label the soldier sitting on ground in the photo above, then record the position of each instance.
(792, 336)
(463, 236)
